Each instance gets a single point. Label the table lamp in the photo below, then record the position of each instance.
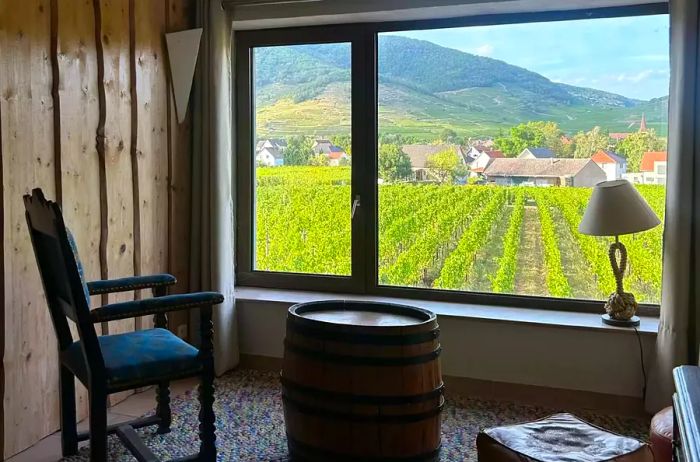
(614, 209)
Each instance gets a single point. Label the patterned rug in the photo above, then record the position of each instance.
(250, 427)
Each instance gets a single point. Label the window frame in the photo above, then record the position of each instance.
(363, 38)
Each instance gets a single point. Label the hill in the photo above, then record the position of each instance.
(424, 88)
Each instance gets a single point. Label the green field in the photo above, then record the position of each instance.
(518, 240)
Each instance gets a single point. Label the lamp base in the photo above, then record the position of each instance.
(632, 322)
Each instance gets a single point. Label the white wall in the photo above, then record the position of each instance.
(595, 360)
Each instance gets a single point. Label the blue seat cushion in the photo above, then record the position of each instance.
(138, 358)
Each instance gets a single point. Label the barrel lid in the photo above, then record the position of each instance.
(360, 314)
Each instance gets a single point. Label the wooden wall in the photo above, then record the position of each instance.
(86, 114)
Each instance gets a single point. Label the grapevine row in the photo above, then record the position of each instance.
(458, 265)
(504, 281)
(557, 283)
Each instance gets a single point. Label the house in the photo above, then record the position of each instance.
(484, 160)
(322, 146)
(613, 165)
(278, 143)
(270, 157)
(420, 153)
(536, 153)
(336, 156)
(544, 172)
(652, 169)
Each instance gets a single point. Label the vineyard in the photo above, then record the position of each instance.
(519, 240)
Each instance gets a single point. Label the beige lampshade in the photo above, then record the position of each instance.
(617, 208)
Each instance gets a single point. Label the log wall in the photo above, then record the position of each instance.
(86, 113)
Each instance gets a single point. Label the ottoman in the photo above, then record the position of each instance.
(558, 438)
(661, 435)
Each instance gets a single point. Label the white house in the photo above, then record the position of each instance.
(613, 165)
(484, 160)
(269, 157)
(652, 169)
(336, 156)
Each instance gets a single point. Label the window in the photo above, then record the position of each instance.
(302, 167)
(451, 159)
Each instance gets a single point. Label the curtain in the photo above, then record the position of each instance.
(677, 341)
(212, 180)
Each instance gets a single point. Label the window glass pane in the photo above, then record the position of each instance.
(303, 159)
(490, 140)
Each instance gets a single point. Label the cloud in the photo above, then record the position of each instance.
(638, 77)
(484, 50)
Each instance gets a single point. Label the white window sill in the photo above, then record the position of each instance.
(574, 320)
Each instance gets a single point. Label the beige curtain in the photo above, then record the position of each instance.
(212, 180)
(677, 342)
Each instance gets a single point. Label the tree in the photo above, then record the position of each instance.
(299, 151)
(537, 134)
(635, 145)
(343, 141)
(445, 166)
(447, 135)
(319, 160)
(394, 164)
(588, 143)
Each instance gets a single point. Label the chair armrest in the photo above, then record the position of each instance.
(125, 310)
(130, 283)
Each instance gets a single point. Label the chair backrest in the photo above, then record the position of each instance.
(61, 271)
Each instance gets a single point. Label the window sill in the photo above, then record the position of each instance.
(589, 321)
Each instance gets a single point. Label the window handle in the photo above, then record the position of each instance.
(355, 205)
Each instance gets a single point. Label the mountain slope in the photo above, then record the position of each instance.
(423, 88)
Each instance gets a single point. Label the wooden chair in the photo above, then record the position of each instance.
(114, 363)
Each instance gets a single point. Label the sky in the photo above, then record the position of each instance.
(628, 56)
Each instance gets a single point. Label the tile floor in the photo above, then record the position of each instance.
(49, 449)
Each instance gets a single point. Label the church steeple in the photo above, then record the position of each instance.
(643, 123)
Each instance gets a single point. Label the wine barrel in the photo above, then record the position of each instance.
(362, 381)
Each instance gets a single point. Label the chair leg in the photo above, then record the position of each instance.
(163, 407)
(69, 430)
(207, 428)
(98, 425)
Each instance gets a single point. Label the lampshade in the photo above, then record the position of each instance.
(617, 208)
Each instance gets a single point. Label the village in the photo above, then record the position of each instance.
(480, 162)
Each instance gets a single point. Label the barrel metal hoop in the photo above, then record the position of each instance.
(327, 334)
(363, 360)
(300, 449)
(363, 399)
(346, 416)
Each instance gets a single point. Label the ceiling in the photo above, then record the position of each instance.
(263, 14)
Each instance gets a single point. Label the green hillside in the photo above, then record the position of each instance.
(424, 88)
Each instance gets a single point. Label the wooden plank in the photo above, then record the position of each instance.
(114, 28)
(117, 130)
(181, 16)
(76, 62)
(31, 372)
(152, 138)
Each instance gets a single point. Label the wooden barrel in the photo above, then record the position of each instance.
(362, 382)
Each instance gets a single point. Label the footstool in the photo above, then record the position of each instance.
(661, 435)
(558, 438)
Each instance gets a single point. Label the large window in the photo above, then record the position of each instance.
(455, 163)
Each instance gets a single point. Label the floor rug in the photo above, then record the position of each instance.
(250, 427)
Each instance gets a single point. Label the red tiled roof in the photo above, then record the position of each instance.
(495, 154)
(607, 157)
(649, 158)
(478, 170)
(336, 154)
